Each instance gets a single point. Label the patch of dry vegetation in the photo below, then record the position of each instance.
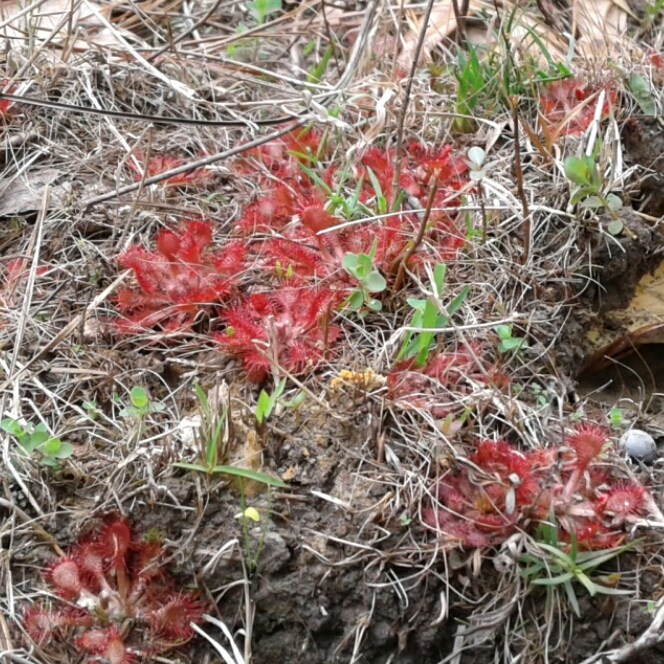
(181, 192)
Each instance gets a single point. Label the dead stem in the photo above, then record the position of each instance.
(406, 101)
(412, 248)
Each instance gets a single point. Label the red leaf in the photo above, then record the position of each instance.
(178, 280)
(287, 324)
(560, 103)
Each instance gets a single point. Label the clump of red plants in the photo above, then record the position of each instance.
(297, 208)
(115, 602)
(288, 242)
(288, 327)
(440, 383)
(502, 490)
(568, 106)
(178, 280)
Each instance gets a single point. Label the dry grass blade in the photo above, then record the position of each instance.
(419, 450)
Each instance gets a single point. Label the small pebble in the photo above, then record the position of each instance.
(638, 445)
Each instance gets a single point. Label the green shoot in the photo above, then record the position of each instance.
(266, 403)
(548, 565)
(369, 280)
(428, 316)
(507, 343)
(261, 9)
(52, 451)
(583, 172)
(140, 405)
(214, 436)
(316, 72)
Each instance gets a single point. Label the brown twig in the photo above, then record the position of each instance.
(460, 16)
(406, 100)
(206, 161)
(518, 172)
(418, 240)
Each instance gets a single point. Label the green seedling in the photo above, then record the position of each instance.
(295, 403)
(472, 83)
(548, 565)
(316, 72)
(369, 280)
(52, 451)
(381, 201)
(652, 10)
(347, 206)
(542, 395)
(140, 405)
(92, 409)
(213, 434)
(617, 420)
(213, 440)
(267, 402)
(507, 343)
(428, 317)
(583, 172)
(642, 92)
(261, 9)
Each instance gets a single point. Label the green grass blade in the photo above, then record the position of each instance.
(191, 466)
(571, 596)
(554, 580)
(250, 475)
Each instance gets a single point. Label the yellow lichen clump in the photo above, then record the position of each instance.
(366, 381)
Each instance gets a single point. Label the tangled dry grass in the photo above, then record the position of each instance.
(179, 80)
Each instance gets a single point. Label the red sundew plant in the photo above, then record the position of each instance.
(381, 163)
(269, 213)
(159, 164)
(288, 326)
(656, 60)
(563, 104)
(455, 371)
(178, 280)
(438, 165)
(506, 489)
(321, 256)
(484, 508)
(283, 154)
(296, 200)
(587, 442)
(118, 604)
(5, 104)
(282, 157)
(421, 167)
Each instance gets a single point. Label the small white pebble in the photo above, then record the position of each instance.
(638, 445)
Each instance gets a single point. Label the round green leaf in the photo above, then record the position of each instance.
(51, 447)
(577, 170)
(615, 227)
(356, 299)
(139, 397)
(375, 282)
(615, 202)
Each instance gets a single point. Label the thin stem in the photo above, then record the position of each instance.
(406, 100)
(518, 172)
(418, 240)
